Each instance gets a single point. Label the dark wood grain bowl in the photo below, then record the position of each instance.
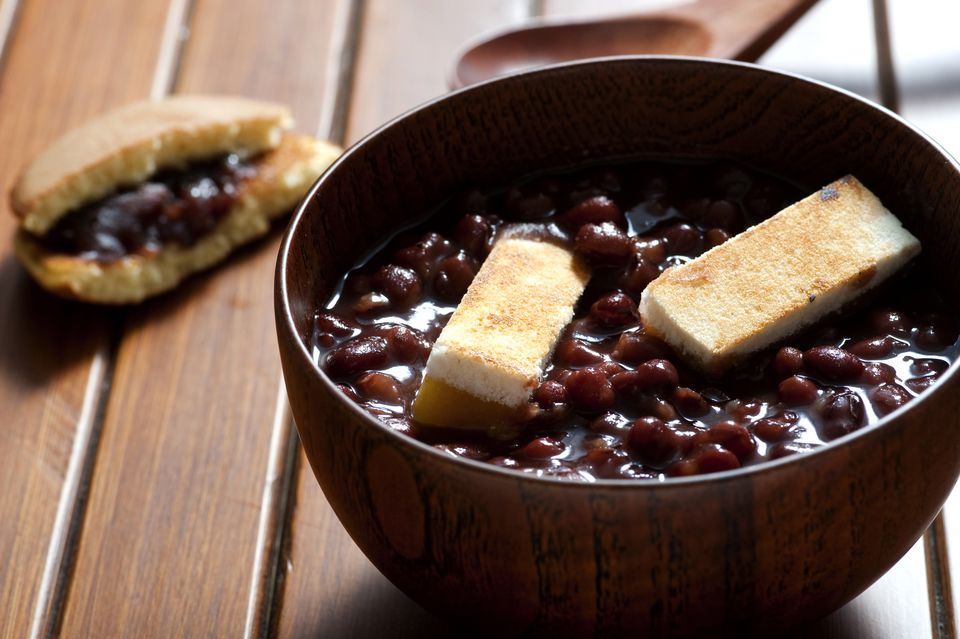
(751, 550)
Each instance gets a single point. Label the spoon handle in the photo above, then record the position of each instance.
(742, 29)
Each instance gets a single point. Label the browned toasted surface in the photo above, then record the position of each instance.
(127, 144)
(779, 276)
(497, 340)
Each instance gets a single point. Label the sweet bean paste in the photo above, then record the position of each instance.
(616, 402)
(175, 206)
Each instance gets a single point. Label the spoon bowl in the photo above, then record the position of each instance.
(734, 29)
(544, 43)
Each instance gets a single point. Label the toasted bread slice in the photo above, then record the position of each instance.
(282, 177)
(777, 277)
(125, 146)
(490, 355)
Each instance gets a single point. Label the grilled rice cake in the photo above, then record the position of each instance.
(776, 278)
(490, 355)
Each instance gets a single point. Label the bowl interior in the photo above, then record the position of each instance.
(642, 106)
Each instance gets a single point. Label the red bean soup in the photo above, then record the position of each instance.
(616, 403)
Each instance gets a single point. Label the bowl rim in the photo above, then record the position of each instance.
(286, 325)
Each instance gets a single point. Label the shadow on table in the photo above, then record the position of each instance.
(846, 623)
(42, 335)
(375, 606)
(232, 294)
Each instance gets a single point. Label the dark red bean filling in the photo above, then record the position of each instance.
(616, 402)
(177, 206)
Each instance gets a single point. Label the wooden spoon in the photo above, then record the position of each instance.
(734, 29)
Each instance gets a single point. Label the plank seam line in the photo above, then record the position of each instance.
(338, 74)
(886, 71)
(67, 507)
(66, 531)
(337, 91)
(9, 12)
(273, 506)
(938, 580)
(940, 600)
(176, 30)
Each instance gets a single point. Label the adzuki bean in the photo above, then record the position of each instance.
(616, 401)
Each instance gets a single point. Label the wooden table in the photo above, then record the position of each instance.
(150, 478)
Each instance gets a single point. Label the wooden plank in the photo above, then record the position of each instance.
(940, 575)
(899, 604)
(833, 42)
(407, 50)
(926, 53)
(59, 68)
(328, 588)
(172, 530)
(895, 606)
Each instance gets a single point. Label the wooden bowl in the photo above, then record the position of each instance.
(753, 549)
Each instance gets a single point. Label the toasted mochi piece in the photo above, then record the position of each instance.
(126, 145)
(490, 355)
(777, 277)
(282, 177)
